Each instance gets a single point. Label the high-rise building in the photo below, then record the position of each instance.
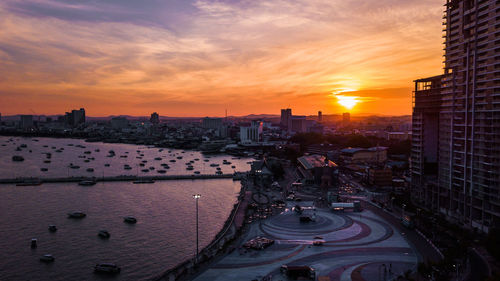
(155, 118)
(467, 120)
(286, 119)
(346, 119)
(75, 117)
(425, 139)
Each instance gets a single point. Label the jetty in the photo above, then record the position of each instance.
(118, 178)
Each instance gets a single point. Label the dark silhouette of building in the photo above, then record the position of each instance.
(155, 118)
(75, 117)
(286, 119)
(467, 188)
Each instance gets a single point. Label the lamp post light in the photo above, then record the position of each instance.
(196, 197)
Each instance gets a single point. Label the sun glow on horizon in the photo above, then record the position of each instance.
(347, 101)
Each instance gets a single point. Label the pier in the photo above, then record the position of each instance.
(116, 178)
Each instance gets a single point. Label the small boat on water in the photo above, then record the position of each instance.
(46, 161)
(173, 160)
(130, 219)
(108, 268)
(143, 181)
(90, 170)
(218, 173)
(76, 215)
(189, 168)
(214, 165)
(145, 170)
(179, 157)
(47, 258)
(197, 172)
(34, 243)
(87, 183)
(17, 158)
(106, 165)
(44, 169)
(103, 234)
(52, 228)
(158, 158)
(142, 164)
(161, 171)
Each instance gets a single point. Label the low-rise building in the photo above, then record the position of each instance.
(376, 154)
(317, 169)
(380, 176)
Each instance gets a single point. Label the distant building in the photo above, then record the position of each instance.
(299, 124)
(252, 133)
(320, 116)
(155, 118)
(75, 117)
(211, 123)
(26, 122)
(346, 119)
(119, 123)
(376, 154)
(316, 128)
(286, 119)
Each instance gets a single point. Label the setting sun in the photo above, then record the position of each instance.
(347, 101)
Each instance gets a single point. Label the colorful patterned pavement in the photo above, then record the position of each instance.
(358, 246)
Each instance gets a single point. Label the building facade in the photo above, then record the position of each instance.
(468, 143)
(286, 119)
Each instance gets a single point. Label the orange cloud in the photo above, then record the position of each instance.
(248, 56)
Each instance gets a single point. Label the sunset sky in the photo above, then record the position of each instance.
(197, 58)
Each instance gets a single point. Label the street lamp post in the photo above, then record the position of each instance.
(196, 197)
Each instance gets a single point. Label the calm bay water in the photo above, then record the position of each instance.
(163, 236)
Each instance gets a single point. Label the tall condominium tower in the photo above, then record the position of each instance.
(464, 184)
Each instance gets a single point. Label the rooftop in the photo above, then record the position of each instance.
(315, 161)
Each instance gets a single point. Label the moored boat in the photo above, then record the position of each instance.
(47, 258)
(103, 234)
(76, 215)
(108, 268)
(129, 219)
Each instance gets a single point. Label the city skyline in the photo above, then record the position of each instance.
(198, 58)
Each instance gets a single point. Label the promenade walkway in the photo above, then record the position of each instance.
(358, 246)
